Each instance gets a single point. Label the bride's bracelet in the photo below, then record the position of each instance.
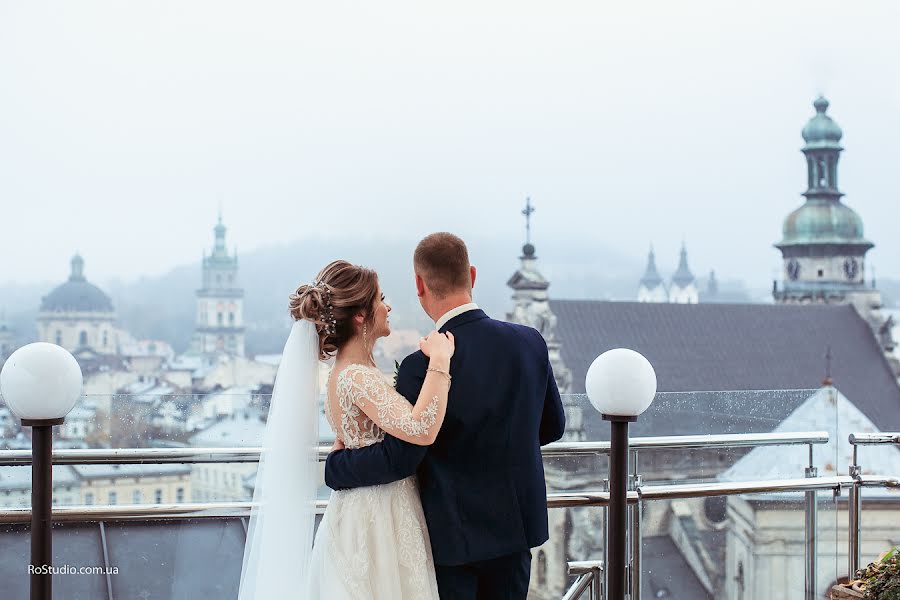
(442, 372)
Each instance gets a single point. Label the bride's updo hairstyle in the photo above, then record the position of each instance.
(341, 291)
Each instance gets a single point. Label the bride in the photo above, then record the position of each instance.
(372, 542)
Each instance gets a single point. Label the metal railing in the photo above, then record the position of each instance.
(588, 574)
(854, 508)
(588, 577)
(125, 456)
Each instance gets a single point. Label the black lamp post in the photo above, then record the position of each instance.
(41, 383)
(621, 385)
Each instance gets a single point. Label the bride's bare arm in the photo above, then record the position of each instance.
(392, 412)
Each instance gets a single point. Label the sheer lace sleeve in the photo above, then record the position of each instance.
(367, 389)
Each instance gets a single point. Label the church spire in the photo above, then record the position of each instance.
(531, 303)
(528, 277)
(683, 276)
(651, 278)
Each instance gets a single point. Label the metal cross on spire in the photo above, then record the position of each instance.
(527, 211)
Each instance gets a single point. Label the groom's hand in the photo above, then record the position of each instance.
(338, 444)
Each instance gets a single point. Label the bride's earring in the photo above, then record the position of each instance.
(365, 342)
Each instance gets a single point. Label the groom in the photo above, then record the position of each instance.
(482, 481)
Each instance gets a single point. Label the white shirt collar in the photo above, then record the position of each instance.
(453, 312)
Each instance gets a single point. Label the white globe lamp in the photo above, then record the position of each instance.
(41, 383)
(620, 384)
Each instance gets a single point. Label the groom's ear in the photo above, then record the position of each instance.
(472, 273)
(420, 285)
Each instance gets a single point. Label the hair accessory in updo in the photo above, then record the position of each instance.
(328, 317)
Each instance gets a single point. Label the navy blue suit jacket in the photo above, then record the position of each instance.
(482, 481)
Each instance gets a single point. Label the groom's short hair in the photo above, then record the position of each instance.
(442, 261)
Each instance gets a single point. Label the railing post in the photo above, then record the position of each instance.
(604, 531)
(853, 513)
(635, 532)
(811, 532)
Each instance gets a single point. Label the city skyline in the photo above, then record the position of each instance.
(617, 124)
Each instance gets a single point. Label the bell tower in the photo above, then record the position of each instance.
(220, 301)
(822, 246)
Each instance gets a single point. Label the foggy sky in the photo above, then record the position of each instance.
(124, 126)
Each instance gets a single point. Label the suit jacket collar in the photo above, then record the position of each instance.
(466, 317)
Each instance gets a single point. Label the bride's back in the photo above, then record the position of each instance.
(344, 415)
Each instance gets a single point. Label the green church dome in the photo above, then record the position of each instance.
(823, 221)
(821, 130)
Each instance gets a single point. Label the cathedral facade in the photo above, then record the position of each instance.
(78, 315)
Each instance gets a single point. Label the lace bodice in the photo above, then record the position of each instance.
(359, 390)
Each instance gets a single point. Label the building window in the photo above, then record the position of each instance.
(231, 318)
(219, 320)
(821, 273)
(157, 496)
(82, 339)
(136, 497)
(179, 495)
(542, 568)
(105, 338)
(112, 497)
(58, 337)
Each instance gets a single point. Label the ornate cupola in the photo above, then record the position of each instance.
(822, 243)
(651, 285)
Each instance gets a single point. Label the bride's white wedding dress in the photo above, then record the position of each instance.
(372, 543)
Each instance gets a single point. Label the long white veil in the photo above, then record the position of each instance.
(282, 520)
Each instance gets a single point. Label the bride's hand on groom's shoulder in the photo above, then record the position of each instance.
(338, 445)
(439, 346)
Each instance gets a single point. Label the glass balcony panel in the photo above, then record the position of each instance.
(199, 558)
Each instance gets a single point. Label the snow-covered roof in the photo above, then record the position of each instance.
(826, 410)
(111, 471)
(242, 428)
(148, 390)
(157, 348)
(245, 428)
(19, 477)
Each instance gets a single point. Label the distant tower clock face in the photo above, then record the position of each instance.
(793, 269)
(851, 268)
